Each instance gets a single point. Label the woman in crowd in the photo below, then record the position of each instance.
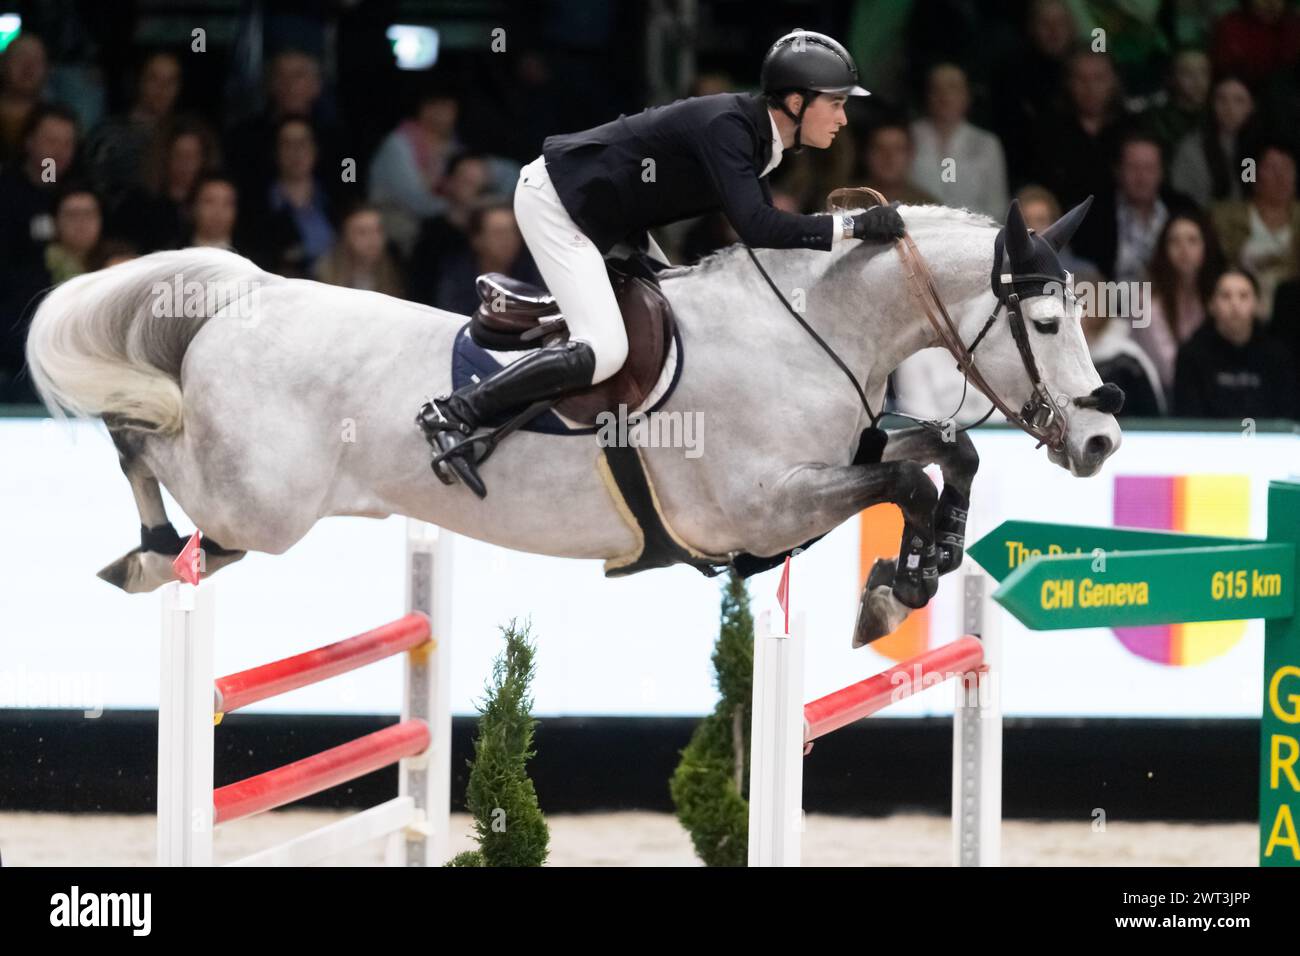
(215, 213)
(360, 259)
(1231, 367)
(1182, 274)
(291, 224)
(1262, 234)
(1207, 163)
(409, 166)
(77, 228)
(157, 216)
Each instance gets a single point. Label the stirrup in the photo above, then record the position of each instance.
(484, 444)
(438, 431)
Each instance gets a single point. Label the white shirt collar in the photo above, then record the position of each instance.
(777, 148)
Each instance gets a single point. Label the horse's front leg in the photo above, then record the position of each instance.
(830, 495)
(958, 461)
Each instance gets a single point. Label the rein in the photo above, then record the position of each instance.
(1039, 416)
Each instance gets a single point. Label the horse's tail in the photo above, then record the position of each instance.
(112, 342)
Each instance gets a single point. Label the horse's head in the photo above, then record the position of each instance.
(1034, 356)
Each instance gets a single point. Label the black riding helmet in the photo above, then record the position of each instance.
(807, 63)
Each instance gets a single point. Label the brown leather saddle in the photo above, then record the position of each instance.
(514, 315)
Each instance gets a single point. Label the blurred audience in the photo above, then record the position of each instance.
(1121, 229)
(960, 164)
(445, 236)
(294, 88)
(1183, 270)
(408, 169)
(77, 228)
(1027, 86)
(110, 252)
(24, 71)
(117, 148)
(1262, 234)
(1207, 163)
(1285, 324)
(1075, 149)
(495, 245)
(290, 226)
(1231, 368)
(157, 213)
(214, 213)
(1260, 39)
(887, 158)
(1180, 107)
(29, 189)
(360, 259)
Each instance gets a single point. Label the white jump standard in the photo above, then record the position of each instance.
(784, 728)
(191, 702)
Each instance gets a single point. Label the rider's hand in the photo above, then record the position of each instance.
(878, 224)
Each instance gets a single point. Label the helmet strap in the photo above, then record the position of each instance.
(806, 96)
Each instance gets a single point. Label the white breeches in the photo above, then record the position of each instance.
(573, 268)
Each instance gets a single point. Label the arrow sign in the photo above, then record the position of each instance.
(1012, 543)
(1167, 586)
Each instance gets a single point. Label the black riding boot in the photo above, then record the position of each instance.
(449, 420)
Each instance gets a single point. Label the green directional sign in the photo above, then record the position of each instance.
(1165, 586)
(1279, 758)
(1012, 543)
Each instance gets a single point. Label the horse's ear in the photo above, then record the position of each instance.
(1019, 247)
(1060, 232)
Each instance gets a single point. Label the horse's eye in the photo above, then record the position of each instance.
(1047, 326)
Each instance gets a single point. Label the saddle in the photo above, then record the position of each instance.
(514, 315)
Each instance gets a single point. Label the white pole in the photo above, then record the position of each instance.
(427, 686)
(185, 726)
(977, 739)
(776, 745)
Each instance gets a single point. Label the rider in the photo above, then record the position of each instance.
(593, 190)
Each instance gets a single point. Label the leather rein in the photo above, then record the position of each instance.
(1040, 417)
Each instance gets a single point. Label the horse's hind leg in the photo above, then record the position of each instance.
(150, 565)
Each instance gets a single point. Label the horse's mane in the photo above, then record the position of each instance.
(915, 216)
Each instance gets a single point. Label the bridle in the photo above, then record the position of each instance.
(1040, 416)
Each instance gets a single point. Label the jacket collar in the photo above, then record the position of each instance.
(755, 106)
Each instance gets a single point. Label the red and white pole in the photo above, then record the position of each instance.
(329, 768)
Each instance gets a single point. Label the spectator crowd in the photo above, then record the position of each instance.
(1178, 122)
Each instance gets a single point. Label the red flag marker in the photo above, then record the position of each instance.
(187, 563)
(783, 593)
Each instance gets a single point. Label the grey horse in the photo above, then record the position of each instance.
(264, 404)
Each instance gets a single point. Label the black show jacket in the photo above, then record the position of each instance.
(675, 162)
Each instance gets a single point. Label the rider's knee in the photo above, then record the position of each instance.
(611, 353)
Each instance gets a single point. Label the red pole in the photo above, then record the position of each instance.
(329, 768)
(279, 677)
(864, 698)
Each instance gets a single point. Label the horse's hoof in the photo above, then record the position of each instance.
(118, 573)
(130, 573)
(879, 615)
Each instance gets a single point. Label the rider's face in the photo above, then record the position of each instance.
(823, 119)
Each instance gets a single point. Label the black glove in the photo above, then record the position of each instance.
(878, 224)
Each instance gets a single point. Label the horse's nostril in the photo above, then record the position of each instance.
(1097, 447)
